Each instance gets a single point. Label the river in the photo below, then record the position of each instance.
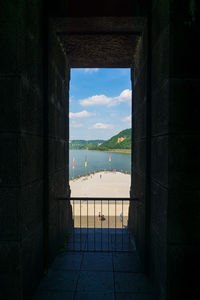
(97, 161)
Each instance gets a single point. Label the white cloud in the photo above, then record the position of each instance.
(76, 125)
(101, 126)
(81, 114)
(126, 119)
(113, 115)
(91, 70)
(124, 97)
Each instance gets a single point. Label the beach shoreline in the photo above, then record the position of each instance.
(128, 151)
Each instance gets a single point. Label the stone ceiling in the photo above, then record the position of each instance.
(100, 41)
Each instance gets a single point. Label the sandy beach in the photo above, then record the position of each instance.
(101, 184)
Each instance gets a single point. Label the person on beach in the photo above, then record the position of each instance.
(121, 217)
(99, 216)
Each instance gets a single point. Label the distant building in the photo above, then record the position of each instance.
(121, 139)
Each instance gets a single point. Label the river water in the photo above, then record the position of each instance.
(97, 161)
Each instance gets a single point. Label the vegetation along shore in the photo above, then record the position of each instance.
(121, 143)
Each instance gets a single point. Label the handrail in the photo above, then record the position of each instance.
(98, 198)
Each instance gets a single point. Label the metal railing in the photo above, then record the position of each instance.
(100, 224)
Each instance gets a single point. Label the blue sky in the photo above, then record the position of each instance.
(100, 103)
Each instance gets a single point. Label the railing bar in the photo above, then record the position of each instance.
(129, 234)
(101, 225)
(87, 225)
(122, 224)
(80, 228)
(115, 224)
(94, 229)
(74, 224)
(108, 224)
(97, 198)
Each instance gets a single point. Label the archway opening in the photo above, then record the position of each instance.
(100, 150)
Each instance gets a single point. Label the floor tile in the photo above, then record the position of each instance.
(95, 281)
(132, 282)
(94, 296)
(68, 261)
(97, 261)
(133, 296)
(54, 296)
(60, 281)
(75, 246)
(126, 262)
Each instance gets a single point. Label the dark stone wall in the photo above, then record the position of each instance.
(137, 210)
(175, 214)
(159, 189)
(166, 218)
(58, 151)
(21, 123)
(184, 148)
(23, 167)
(150, 86)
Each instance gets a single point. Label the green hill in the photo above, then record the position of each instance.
(121, 140)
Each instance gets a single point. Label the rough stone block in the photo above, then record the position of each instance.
(52, 118)
(60, 154)
(32, 158)
(159, 210)
(184, 161)
(140, 54)
(31, 207)
(10, 157)
(183, 270)
(9, 50)
(66, 163)
(138, 185)
(9, 228)
(184, 113)
(32, 260)
(9, 201)
(139, 156)
(31, 109)
(159, 159)
(158, 263)
(10, 274)
(140, 232)
(10, 104)
(160, 110)
(66, 127)
(183, 216)
(140, 91)
(139, 124)
(160, 17)
(52, 154)
(57, 187)
(12, 10)
(160, 60)
(54, 235)
(184, 47)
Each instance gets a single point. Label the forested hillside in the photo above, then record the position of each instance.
(120, 141)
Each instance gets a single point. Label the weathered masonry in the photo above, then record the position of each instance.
(39, 43)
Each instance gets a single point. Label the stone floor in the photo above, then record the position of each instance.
(88, 275)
